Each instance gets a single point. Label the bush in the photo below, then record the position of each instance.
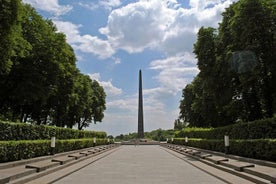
(253, 148)
(22, 131)
(194, 132)
(259, 129)
(17, 150)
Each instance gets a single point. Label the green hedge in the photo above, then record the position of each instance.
(22, 131)
(259, 129)
(264, 149)
(17, 150)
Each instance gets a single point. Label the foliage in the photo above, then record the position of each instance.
(253, 148)
(157, 135)
(160, 135)
(259, 129)
(17, 150)
(126, 137)
(194, 132)
(10, 11)
(179, 125)
(20, 131)
(39, 80)
(237, 68)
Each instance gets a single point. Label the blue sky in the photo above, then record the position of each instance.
(113, 39)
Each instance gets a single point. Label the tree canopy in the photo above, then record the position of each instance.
(237, 64)
(39, 80)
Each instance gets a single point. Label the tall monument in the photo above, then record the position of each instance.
(140, 109)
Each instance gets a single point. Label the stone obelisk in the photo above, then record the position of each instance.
(140, 109)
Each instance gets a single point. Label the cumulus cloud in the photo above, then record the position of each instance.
(106, 4)
(109, 88)
(174, 72)
(137, 26)
(51, 6)
(109, 4)
(90, 6)
(129, 104)
(161, 24)
(85, 43)
(156, 24)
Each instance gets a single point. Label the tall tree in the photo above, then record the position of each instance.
(39, 80)
(237, 68)
(205, 51)
(9, 18)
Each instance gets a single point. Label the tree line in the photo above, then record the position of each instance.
(157, 135)
(39, 80)
(237, 63)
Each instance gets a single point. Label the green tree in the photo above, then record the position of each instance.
(178, 124)
(237, 68)
(205, 51)
(38, 76)
(188, 111)
(10, 13)
(98, 106)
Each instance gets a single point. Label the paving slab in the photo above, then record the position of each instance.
(237, 165)
(204, 155)
(63, 159)
(76, 155)
(92, 151)
(13, 173)
(195, 152)
(42, 165)
(263, 172)
(86, 153)
(217, 159)
(140, 164)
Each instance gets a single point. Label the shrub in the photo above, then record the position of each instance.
(22, 131)
(17, 150)
(259, 129)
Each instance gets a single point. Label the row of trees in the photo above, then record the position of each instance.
(237, 63)
(39, 80)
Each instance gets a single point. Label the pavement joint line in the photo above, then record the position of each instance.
(172, 153)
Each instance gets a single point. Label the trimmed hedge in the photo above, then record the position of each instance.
(264, 149)
(17, 150)
(22, 131)
(259, 129)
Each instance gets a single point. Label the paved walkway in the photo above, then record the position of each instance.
(140, 164)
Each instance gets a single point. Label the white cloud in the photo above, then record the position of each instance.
(109, 88)
(85, 43)
(106, 4)
(156, 24)
(129, 104)
(137, 26)
(51, 6)
(174, 72)
(161, 24)
(109, 4)
(90, 6)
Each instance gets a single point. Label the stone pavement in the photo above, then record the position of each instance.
(257, 171)
(41, 169)
(148, 164)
